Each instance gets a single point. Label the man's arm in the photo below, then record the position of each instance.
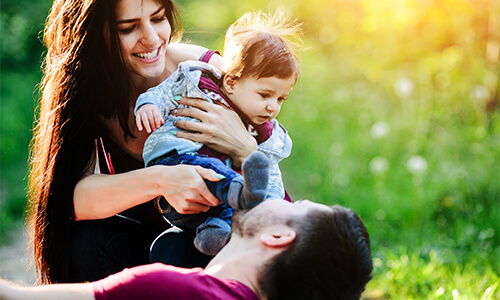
(74, 291)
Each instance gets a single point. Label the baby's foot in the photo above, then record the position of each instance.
(255, 171)
(211, 240)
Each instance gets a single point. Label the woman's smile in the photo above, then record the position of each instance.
(149, 56)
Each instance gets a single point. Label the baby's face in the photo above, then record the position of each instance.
(260, 99)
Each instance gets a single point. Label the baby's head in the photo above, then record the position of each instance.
(260, 66)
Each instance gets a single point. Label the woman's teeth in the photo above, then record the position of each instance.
(149, 55)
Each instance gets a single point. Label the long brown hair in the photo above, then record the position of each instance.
(83, 81)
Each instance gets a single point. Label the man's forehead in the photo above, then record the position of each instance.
(310, 205)
(283, 208)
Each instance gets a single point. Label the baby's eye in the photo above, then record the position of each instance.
(281, 99)
(264, 95)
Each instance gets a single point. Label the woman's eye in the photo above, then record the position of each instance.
(126, 29)
(159, 19)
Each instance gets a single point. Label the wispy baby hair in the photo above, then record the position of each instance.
(260, 44)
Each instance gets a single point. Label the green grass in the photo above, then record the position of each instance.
(412, 275)
(434, 228)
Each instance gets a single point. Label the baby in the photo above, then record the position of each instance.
(259, 70)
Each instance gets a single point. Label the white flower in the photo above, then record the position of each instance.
(379, 165)
(417, 164)
(403, 87)
(379, 130)
(479, 93)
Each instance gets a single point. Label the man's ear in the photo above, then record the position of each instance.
(228, 83)
(282, 237)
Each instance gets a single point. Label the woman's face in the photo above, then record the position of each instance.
(144, 33)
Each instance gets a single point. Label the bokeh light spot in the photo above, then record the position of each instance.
(379, 165)
(379, 130)
(417, 164)
(403, 87)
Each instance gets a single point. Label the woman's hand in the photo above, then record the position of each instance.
(219, 128)
(101, 196)
(186, 191)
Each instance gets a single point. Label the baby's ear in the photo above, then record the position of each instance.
(228, 82)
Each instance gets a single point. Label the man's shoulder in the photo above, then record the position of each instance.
(157, 281)
(197, 284)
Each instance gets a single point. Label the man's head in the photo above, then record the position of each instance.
(326, 253)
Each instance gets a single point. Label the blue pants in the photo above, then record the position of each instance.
(219, 189)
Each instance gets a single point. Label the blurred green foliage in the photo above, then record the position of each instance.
(21, 24)
(395, 115)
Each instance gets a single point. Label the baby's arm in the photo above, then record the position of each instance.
(277, 147)
(148, 116)
(275, 188)
(153, 106)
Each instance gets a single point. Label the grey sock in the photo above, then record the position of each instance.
(211, 240)
(255, 171)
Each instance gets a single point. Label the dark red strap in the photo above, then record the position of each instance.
(107, 157)
(208, 55)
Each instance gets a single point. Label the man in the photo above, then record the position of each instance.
(278, 250)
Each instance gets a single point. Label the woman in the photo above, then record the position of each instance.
(101, 55)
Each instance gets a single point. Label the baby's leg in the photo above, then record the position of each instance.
(214, 233)
(219, 188)
(240, 192)
(255, 170)
(210, 240)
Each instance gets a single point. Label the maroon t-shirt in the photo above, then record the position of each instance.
(159, 281)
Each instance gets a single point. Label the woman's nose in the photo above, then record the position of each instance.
(149, 35)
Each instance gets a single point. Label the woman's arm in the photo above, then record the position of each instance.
(100, 196)
(219, 128)
(78, 291)
(180, 52)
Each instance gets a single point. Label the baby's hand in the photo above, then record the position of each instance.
(149, 116)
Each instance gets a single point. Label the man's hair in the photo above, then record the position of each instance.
(260, 44)
(330, 259)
